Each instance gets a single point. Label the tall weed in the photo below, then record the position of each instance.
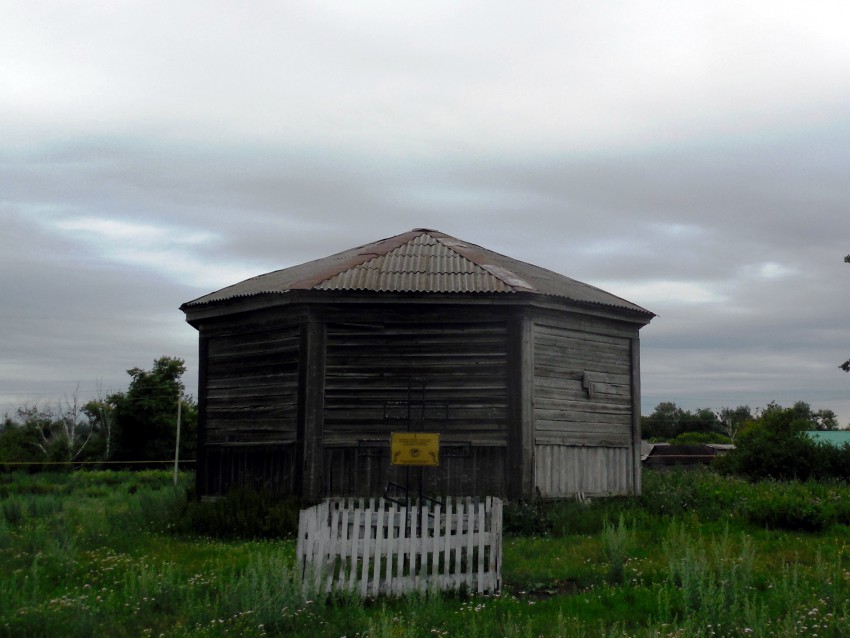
(616, 545)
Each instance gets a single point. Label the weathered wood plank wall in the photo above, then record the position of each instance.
(582, 411)
(265, 467)
(251, 401)
(452, 377)
(528, 402)
(252, 387)
(352, 471)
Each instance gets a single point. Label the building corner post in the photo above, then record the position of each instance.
(636, 433)
(309, 467)
(520, 484)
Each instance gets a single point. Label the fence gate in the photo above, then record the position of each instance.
(376, 546)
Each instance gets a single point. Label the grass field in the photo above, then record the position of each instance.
(110, 554)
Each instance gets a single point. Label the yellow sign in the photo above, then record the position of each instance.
(415, 448)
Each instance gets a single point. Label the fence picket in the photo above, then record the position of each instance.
(355, 546)
(391, 544)
(447, 549)
(365, 547)
(343, 544)
(460, 511)
(435, 547)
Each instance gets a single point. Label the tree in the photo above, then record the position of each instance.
(62, 433)
(18, 444)
(773, 445)
(826, 420)
(846, 365)
(669, 421)
(731, 421)
(101, 415)
(145, 416)
(664, 422)
(72, 428)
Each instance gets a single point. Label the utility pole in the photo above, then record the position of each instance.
(177, 444)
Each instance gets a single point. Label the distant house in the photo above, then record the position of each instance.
(531, 379)
(659, 455)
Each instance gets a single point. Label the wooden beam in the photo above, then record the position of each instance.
(636, 435)
(309, 466)
(520, 458)
(201, 463)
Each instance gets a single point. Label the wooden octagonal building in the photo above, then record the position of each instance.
(531, 379)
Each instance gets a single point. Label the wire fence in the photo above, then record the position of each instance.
(170, 462)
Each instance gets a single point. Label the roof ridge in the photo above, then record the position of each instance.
(508, 277)
(415, 251)
(381, 248)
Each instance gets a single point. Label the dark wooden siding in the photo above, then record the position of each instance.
(357, 472)
(252, 387)
(450, 378)
(251, 390)
(264, 467)
(454, 376)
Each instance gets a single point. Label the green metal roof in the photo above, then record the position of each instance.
(833, 437)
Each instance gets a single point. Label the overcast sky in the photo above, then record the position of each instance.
(692, 157)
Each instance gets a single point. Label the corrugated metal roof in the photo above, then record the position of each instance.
(421, 265)
(420, 261)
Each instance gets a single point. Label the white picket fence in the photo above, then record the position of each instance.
(375, 546)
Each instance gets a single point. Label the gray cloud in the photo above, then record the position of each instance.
(697, 167)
